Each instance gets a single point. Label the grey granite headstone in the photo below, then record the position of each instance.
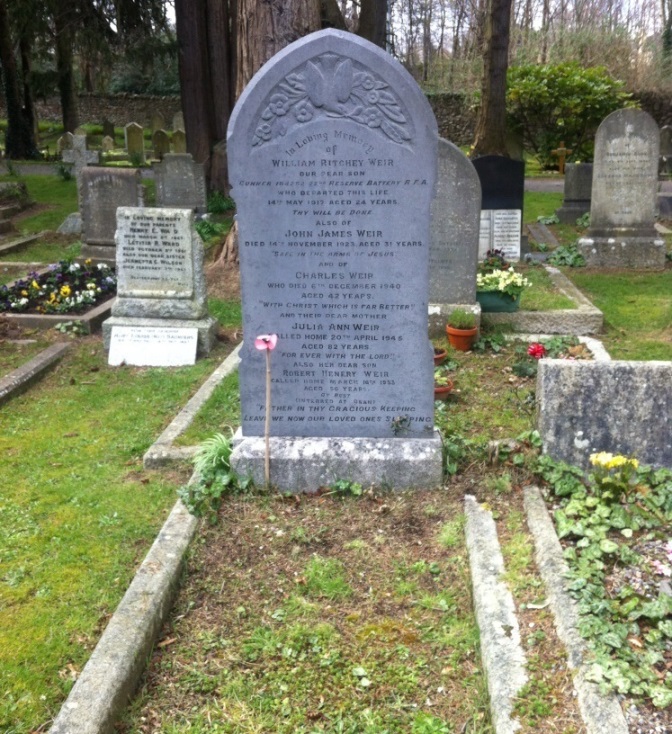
(161, 283)
(665, 150)
(80, 156)
(453, 252)
(179, 141)
(160, 143)
(108, 129)
(178, 121)
(135, 141)
(102, 191)
(503, 189)
(180, 182)
(332, 155)
(578, 186)
(624, 194)
(618, 407)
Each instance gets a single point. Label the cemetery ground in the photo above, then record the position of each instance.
(340, 612)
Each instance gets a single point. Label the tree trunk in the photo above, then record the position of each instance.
(332, 15)
(263, 29)
(28, 103)
(66, 86)
(20, 137)
(490, 138)
(373, 22)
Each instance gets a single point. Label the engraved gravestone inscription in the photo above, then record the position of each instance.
(333, 151)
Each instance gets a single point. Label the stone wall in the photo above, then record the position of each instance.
(118, 108)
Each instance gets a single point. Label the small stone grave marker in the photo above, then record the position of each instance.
(158, 121)
(64, 142)
(107, 144)
(578, 186)
(503, 187)
(453, 254)
(180, 183)
(332, 154)
(178, 121)
(179, 141)
(79, 155)
(624, 194)
(108, 129)
(160, 143)
(161, 286)
(135, 141)
(561, 153)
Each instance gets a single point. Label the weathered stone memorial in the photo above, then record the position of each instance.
(332, 150)
(160, 143)
(80, 156)
(107, 144)
(180, 183)
(624, 194)
(578, 185)
(178, 121)
(158, 121)
(160, 315)
(503, 189)
(665, 150)
(453, 252)
(179, 141)
(64, 142)
(135, 141)
(101, 192)
(578, 415)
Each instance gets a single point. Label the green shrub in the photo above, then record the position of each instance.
(566, 103)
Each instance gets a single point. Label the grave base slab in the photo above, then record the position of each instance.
(207, 328)
(303, 465)
(639, 253)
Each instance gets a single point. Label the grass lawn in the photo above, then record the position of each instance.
(13, 355)
(77, 515)
(57, 197)
(41, 251)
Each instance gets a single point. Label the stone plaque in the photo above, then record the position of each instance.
(102, 190)
(453, 252)
(152, 346)
(333, 153)
(180, 182)
(154, 254)
(503, 187)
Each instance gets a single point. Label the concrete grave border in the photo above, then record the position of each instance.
(583, 320)
(23, 377)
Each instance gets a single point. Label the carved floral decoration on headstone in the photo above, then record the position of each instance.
(332, 86)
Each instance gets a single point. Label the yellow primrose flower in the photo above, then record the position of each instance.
(65, 290)
(601, 459)
(35, 285)
(87, 261)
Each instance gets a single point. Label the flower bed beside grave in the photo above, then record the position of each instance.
(63, 288)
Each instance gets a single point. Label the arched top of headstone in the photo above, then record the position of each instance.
(337, 76)
(133, 126)
(629, 121)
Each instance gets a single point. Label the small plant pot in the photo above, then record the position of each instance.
(461, 339)
(441, 392)
(495, 302)
(440, 356)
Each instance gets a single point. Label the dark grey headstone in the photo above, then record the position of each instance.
(624, 194)
(108, 128)
(579, 415)
(332, 150)
(578, 187)
(102, 191)
(180, 183)
(666, 150)
(503, 187)
(456, 211)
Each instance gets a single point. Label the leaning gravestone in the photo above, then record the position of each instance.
(624, 194)
(102, 191)
(160, 315)
(453, 252)
(332, 150)
(503, 186)
(134, 139)
(578, 185)
(180, 183)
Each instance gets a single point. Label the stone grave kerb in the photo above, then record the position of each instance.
(327, 110)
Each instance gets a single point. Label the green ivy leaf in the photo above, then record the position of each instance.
(608, 546)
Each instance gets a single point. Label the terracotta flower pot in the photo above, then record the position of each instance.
(461, 339)
(441, 392)
(440, 356)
